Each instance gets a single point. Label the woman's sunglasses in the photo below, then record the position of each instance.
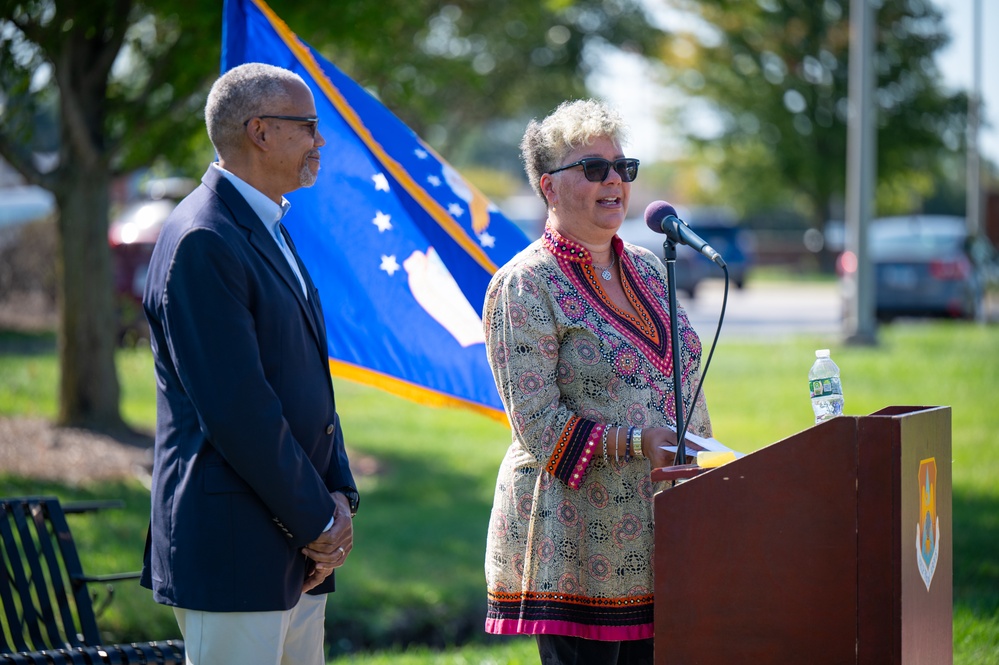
(595, 169)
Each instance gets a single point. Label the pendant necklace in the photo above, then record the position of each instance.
(605, 273)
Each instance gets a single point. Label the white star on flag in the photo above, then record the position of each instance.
(455, 210)
(381, 182)
(382, 221)
(422, 154)
(487, 240)
(389, 264)
(434, 180)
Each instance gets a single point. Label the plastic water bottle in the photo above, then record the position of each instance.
(827, 391)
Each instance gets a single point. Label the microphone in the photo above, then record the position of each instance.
(661, 218)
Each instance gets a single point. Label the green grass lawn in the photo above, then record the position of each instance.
(426, 478)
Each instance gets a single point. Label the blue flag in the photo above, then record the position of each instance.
(400, 246)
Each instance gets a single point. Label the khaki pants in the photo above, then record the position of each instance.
(291, 637)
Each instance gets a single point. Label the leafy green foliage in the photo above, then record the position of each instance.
(122, 84)
(777, 73)
(452, 68)
(123, 81)
(456, 71)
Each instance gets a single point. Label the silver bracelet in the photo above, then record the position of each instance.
(604, 439)
(616, 432)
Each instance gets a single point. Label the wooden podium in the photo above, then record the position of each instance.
(831, 546)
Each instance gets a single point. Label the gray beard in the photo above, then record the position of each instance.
(306, 178)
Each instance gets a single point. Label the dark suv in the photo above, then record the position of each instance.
(718, 228)
(734, 243)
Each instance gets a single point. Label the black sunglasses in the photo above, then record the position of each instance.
(595, 169)
(311, 121)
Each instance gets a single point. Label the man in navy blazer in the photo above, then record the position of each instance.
(252, 494)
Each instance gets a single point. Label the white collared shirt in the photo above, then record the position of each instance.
(270, 214)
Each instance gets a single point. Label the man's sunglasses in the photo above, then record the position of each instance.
(311, 122)
(595, 169)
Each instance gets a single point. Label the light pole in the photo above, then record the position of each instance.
(974, 160)
(860, 326)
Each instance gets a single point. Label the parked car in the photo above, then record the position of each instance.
(923, 266)
(718, 228)
(25, 203)
(735, 244)
(132, 234)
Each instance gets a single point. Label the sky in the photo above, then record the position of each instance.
(957, 62)
(625, 81)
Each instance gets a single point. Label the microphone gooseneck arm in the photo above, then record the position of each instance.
(669, 257)
(661, 218)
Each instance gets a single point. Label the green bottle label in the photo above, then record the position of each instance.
(824, 387)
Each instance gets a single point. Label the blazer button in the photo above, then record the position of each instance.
(329, 429)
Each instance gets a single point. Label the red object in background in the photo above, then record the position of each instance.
(846, 264)
(951, 270)
(132, 235)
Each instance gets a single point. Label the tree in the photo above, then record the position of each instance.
(127, 81)
(457, 69)
(109, 72)
(775, 71)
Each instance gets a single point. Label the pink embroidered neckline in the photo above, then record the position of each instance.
(649, 331)
(570, 250)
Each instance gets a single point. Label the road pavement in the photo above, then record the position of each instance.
(772, 311)
(766, 310)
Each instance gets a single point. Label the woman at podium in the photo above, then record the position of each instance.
(577, 331)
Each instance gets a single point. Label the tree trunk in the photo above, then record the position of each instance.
(88, 388)
(82, 58)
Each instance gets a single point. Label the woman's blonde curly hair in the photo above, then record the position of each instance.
(574, 123)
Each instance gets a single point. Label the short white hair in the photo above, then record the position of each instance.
(244, 92)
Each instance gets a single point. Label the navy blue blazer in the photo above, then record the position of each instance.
(248, 443)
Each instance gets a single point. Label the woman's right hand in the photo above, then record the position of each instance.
(653, 440)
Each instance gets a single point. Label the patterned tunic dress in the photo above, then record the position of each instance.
(569, 547)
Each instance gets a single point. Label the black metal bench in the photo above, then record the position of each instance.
(48, 614)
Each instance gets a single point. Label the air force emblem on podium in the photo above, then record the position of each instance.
(928, 526)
